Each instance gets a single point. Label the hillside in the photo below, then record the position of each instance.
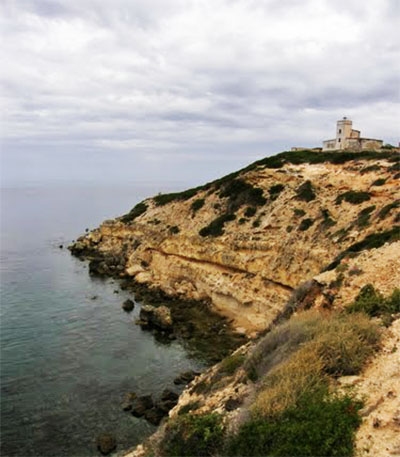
(288, 233)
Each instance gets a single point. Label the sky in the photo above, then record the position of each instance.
(185, 91)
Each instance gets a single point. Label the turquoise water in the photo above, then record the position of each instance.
(68, 351)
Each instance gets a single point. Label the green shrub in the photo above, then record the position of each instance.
(197, 204)
(299, 212)
(191, 406)
(135, 212)
(193, 435)
(275, 191)
(383, 213)
(174, 230)
(231, 363)
(216, 227)
(364, 216)
(305, 192)
(241, 193)
(353, 196)
(374, 304)
(370, 168)
(305, 224)
(164, 199)
(250, 211)
(316, 425)
(379, 182)
(327, 220)
(372, 241)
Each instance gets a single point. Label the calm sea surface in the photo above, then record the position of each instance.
(68, 351)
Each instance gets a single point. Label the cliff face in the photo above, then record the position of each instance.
(290, 232)
(245, 242)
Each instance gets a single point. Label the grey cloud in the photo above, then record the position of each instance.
(193, 81)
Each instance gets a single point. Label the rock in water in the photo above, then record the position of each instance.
(128, 401)
(128, 305)
(106, 443)
(142, 404)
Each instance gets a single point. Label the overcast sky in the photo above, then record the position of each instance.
(188, 90)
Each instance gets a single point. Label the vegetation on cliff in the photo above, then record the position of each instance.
(295, 408)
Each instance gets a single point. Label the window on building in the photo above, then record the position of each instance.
(339, 140)
(340, 130)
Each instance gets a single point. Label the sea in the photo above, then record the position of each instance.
(69, 353)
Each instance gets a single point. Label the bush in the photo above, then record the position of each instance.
(305, 224)
(327, 220)
(364, 216)
(164, 199)
(383, 213)
(135, 212)
(353, 196)
(274, 191)
(316, 425)
(231, 363)
(174, 230)
(305, 192)
(197, 204)
(372, 241)
(241, 193)
(193, 435)
(374, 304)
(379, 182)
(216, 227)
(250, 211)
(299, 212)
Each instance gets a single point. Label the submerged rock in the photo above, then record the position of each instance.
(154, 415)
(106, 443)
(128, 401)
(141, 404)
(128, 305)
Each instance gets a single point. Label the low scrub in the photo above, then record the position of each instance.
(371, 241)
(275, 191)
(193, 435)
(364, 216)
(216, 227)
(305, 192)
(318, 424)
(135, 212)
(374, 304)
(386, 210)
(164, 199)
(354, 197)
(305, 224)
(241, 193)
(197, 204)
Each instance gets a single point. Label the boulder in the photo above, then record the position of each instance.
(128, 305)
(156, 317)
(154, 415)
(141, 404)
(128, 401)
(106, 443)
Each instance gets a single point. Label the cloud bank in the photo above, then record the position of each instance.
(153, 89)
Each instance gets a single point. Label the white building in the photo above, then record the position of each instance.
(348, 138)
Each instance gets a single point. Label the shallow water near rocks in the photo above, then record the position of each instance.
(69, 352)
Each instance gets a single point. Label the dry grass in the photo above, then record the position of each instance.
(298, 357)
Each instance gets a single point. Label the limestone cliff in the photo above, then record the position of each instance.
(246, 241)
